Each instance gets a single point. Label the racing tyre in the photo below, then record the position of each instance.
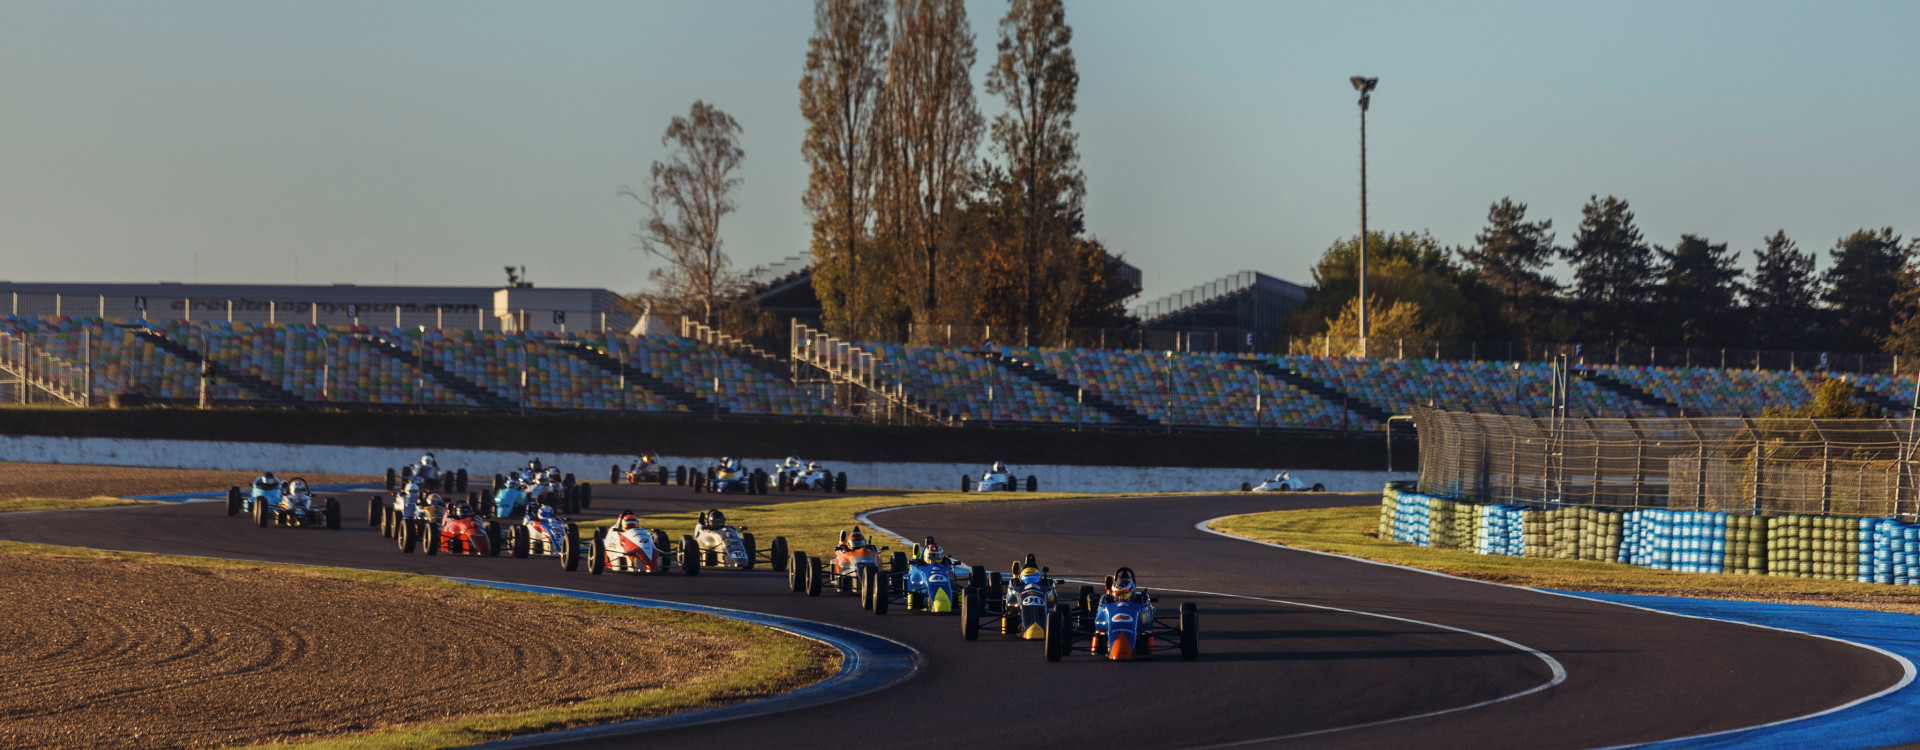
(746, 540)
(430, 537)
(1033, 483)
(1086, 597)
(493, 539)
(586, 495)
(813, 576)
(879, 583)
(689, 555)
(613, 477)
(373, 510)
(233, 501)
(970, 615)
(499, 481)
(1317, 487)
(260, 515)
(661, 476)
(460, 479)
(1056, 638)
(976, 577)
(680, 475)
(333, 514)
(386, 523)
(840, 483)
(797, 573)
(568, 481)
(966, 483)
(899, 562)
(866, 587)
(597, 556)
(1246, 486)
(404, 536)
(389, 480)
(570, 554)
(521, 541)
(777, 554)
(1189, 632)
(699, 483)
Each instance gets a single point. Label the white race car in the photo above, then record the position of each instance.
(998, 479)
(626, 547)
(1284, 482)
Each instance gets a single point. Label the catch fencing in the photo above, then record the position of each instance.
(1760, 466)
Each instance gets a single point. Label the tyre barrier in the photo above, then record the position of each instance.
(1868, 550)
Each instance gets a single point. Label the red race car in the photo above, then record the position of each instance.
(460, 531)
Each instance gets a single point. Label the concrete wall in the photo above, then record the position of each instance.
(287, 460)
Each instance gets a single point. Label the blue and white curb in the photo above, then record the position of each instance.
(868, 663)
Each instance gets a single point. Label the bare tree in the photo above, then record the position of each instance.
(932, 131)
(687, 196)
(1041, 190)
(839, 97)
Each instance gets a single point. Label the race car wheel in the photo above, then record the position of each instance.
(586, 495)
(1317, 487)
(969, 615)
(1033, 483)
(493, 539)
(386, 523)
(333, 514)
(689, 555)
(782, 483)
(1246, 486)
(797, 573)
(699, 483)
(499, 481)
(1286, 488)
(522, 541)
(613, 477)
(430, 537)
(1056, 638)
(660, 476)
(570, 554)
(403, 535)
(760, 481)
(679, 476)
(260, 515)
(880, 582)
(813, 576)
(389, 480)
(899, 562)
(866, 587)
(777, 555)
(460, 480)
(374, 507)
(977, 577)
(840, 483)
(1189, 632)
(1086, 598)
(966, 483)
(746, 540)
(597, 556)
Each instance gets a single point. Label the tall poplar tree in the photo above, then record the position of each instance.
(839, 97)
(1038, 187)
(1780, 302)
(1511, 255)
(1613, 272)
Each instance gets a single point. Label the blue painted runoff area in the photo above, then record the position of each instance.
(181, 497)
(867, 663)
(1888, 720)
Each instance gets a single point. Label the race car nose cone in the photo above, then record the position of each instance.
(1034, 633)
(1122, 649)
(941, 602)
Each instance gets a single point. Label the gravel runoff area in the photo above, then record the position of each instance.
(74, 481)
(161, 654)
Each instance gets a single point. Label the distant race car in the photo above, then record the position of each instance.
(810, 476)
(1284, 482)
(429, 470)
(729, 476)
(514, 489)
(647, 470)
(731, 547)
(626, 547)
(855, 566)
(997, 479)
(931, 582)
(272, 503)
(1017, 606)
(1123, 624)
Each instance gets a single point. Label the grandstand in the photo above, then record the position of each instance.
(89, 359)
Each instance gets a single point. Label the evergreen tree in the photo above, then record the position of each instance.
(1613, 272)
(1510, 256)
(1905, 337)
(1863, 287)
(1699, 293)
(1780, 303)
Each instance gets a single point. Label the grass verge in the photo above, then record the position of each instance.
(780, 662)
(66, 503)
(1344, 531)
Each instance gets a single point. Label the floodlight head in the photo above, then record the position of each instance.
(1364, 84)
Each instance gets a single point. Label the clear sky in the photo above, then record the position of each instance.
(457, 137)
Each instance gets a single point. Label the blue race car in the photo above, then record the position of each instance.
(275, 503)
(729, 476)
(1123, 625)
(1020, 604)
(931, 582)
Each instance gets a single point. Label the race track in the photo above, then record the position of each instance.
(1322, 650)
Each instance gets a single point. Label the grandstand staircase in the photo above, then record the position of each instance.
(471, 390)
(1628, 390)
(1314, 386)
(672, 393)
(1031, 372)
(265, 390)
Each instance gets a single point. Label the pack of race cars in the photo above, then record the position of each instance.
(525, 515)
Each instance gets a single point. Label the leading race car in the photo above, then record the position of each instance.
(429, 470)
(731, 547)
(998, 479)
(811, 476)
(729, 476)
(1284, 482)
(646, 469)
(855, 566)
(1018, 606)
(1123, 624)
(291, 504)
(627, 547)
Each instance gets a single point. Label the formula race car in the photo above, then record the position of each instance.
(460, 531)
(540, 531)
(729, 476)
(810, 476)
(626, 547)
(997, 479)
(429, 470)
(931, 582)
(855, 567)
(647, 469)
(513, 490)
(1017, 606)
(723, 546)
(1123, 624)
(1284, 482)
(274, 504)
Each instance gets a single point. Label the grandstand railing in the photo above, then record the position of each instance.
(701, 332)
(868, 389)
(1381, 347)
(1759, 466)
(37, 376)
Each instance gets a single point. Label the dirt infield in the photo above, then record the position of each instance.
(73, 481)
(130, 653)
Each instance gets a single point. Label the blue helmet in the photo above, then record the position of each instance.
(1031, 577)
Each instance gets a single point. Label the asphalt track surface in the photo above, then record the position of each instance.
(1280, 663)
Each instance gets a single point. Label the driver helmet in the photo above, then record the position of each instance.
(648, 458)
(553, 475)
(813, 466)
(269, 477)
(999, 467)
(298, 486)
(431, 498)
(793, 460)
(1122, 589)
(1030, 576)
(534, 464)
(856, 540)
(628, 522)
(931, 552)
(427, 460)
(716, 519)
(545, 513)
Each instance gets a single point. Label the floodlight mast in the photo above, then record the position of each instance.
(1365, 86)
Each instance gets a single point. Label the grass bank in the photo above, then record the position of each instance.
(1345, 531)
(12, 505)
(777, 662)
